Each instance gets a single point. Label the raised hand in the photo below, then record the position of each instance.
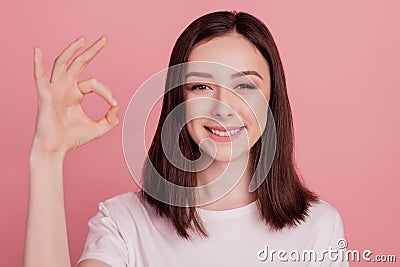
(61, 124)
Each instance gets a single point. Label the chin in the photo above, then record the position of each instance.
(225, 155)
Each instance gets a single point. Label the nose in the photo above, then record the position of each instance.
(222, 108)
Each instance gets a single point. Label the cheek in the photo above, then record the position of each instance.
(196, 109)
(193, 115)
(189, 127)
(256, 116)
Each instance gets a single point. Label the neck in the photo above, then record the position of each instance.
(227, 184)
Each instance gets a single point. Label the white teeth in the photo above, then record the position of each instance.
(225, 133)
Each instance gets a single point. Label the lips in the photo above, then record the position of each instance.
(222, 129)
(224, 132)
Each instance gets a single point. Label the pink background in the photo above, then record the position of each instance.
(342, 63)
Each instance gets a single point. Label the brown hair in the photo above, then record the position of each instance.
(282, 198)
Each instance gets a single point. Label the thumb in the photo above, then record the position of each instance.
(109, 121)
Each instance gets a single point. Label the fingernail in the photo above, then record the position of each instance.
(114, 102)
(36, 51)
(80, 39)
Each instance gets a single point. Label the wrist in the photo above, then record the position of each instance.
(38, 152)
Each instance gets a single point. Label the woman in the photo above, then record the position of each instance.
(264, 209)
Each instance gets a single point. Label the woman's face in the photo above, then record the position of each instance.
(223, 100)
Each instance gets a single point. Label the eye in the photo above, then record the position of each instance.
(246, 86)
(200, 87)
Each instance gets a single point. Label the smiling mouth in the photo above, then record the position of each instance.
(231, 131)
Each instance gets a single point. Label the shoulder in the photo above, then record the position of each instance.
(325, 222)
(324, 217)
(123, 205)
(122, 200)
(323, 210)
(112, 231)
(131, 216)
(322, 227)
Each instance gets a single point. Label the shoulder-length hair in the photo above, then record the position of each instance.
(282, 198)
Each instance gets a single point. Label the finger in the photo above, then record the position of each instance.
(62, 60)
(41, 79)
(93, 85)
(80, 62)
(109, 121)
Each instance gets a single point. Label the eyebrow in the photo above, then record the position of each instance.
(235, 75)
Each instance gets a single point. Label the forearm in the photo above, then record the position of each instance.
(46, 242)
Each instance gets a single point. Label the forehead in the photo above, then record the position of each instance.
(233, 50)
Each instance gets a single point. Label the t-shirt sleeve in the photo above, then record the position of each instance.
(104, 241)
(338, 243)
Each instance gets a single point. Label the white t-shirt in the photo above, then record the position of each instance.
(125, 232)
